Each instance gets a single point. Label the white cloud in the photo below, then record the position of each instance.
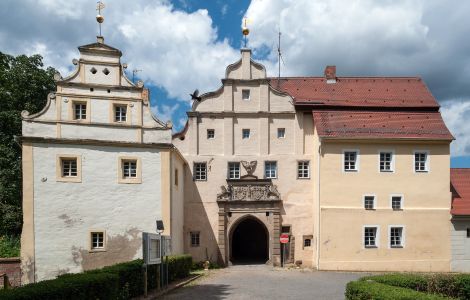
(456, 115)
(165, 112)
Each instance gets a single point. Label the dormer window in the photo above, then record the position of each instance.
(120, 113)
(246, 95)
(106, 71)
(93, 70)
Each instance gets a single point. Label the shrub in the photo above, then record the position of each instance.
(365, 290)
(416, 282)
(9, 246)
(101, 286)
(179, 266)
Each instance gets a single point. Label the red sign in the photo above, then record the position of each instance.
(284, 238)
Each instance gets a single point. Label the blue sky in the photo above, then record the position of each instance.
(182, 45)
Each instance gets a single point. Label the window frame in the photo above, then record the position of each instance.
(357, 164)
(90, 240)
(402, 245)
(212, 131)
(392, 162)
(249, 94)
(283, 130)
(71, 109)
(377, 236)
(427, 163)
(229, 171)
(266, 162)
(298, 168)
(198, 234)
(59, 169)
(112, 112)
(132, 180)
(402, 202)
(243, 133)
(194, 170)
(374, 201)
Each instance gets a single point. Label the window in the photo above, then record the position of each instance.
(369, 202)
(370, 237)
(97, 240)
(421, 161)
(120, 113)
(396, 202)
(200, 171)
(79, 110)
(176, 177)
(285, 229)
(129, 170)
(468, 232)
(307, 242)
(303, 169)
(195, 239)
(68, 168)
(233, 170)
(270, 169)
(396, 237)
(210, 133)
(281, 133)
(245, 133)
(246, 95)
(350, 161)
(386, 162)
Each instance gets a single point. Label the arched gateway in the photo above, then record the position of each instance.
(249, 221)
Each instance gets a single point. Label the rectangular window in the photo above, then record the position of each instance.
(386, 162)
(246, 95)
(281, 133)
(468, 232)
(245, 133)
(396, 202)
(210, 133)
(421, 161)
(176, 177)
(97, 240)
(79, 111)
(270, 169)
(200, 171)
(396, 237)
(350, 161)
(120, 113)
(195, 239)
(307, 242)
(233, 170)
(370, 237)
(129, 169)
(69, 167)
(303, 169)
(369, 202)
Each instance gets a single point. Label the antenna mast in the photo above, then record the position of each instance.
(280, 59)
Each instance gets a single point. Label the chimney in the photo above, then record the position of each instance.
(100, 39)
(330, 74)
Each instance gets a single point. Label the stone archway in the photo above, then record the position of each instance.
(249, 242)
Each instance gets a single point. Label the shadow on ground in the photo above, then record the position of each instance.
(207, 291)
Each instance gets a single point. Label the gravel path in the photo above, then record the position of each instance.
(264, 282)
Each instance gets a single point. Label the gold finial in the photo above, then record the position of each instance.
(245, 30)
(99, 17)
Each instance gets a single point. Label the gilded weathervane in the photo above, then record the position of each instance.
(99, 17)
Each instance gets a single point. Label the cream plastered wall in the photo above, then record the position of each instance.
(65, 212)
(425, 215)
(177, 202)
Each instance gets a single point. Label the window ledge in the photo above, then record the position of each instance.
(371, 247)
(96, 250)
(393, 247)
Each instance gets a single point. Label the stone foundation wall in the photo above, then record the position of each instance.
(11, 267)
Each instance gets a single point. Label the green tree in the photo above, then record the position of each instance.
(24, 85)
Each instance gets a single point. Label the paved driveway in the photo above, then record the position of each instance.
(264, 282)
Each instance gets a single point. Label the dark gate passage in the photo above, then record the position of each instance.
(250, 242)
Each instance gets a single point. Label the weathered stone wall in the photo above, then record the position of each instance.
(11, 267)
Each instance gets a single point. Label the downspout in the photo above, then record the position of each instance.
(319, 206)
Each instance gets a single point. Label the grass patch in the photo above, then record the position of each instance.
(9, 246)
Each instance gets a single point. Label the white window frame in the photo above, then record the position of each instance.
(392, 162)
(210, 134)
(243, 94)
(283, 131)
(229, 169)
(90, 236)
(243, 133)
(377, 236)
(127, 165)
(266, 162)
(198, 233)
(374, 205)
(83, 111)
(122, 118)
(298, 169)
(403, 231)
(402, 201)
(195, 176)
(427, 163)
(357, 161)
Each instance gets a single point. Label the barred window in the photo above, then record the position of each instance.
(234, 170)
(396, 237)
(195, 238)
(396, 202)
(303, 169)
(79, 111)
(350, 161)
(270, 169)
(97, 240)
(370, 237)
(369, 202)
(200, 171)
(386, 161)
(308, 242)
(421, 161)
(129, 169)
(210, 133)
(69, 167)
(120, 113)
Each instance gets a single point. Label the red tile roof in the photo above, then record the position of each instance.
(409, 92)
(460, 187)
(380, 124)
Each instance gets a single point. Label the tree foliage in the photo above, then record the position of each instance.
(24, 85)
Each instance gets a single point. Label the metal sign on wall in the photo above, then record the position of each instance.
(152, 248)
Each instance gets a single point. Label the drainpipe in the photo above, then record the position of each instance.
(319, 206)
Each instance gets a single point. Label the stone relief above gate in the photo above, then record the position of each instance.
(249, 192)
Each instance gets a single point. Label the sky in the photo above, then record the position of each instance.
(183, 45)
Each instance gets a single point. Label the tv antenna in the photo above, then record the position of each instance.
(99, 17)
(280, 59)
(135, 71)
